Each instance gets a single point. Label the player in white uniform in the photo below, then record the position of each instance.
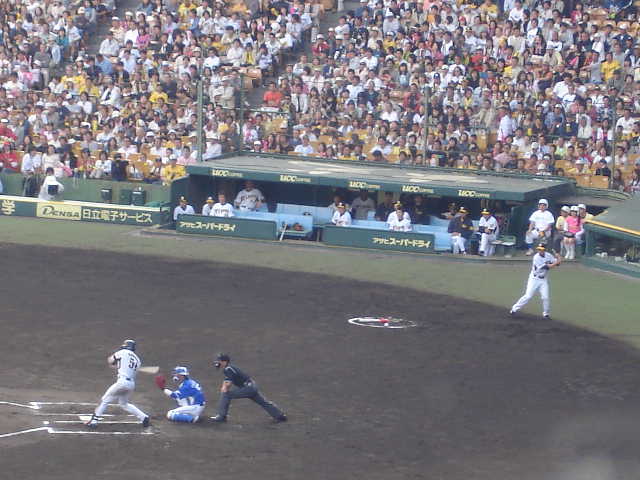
(542, 262)
(489, 231)
(126, 362)
(362, 205)
(183, 209)
(249, 199)
(206, 208)
(341, 217)
(540, 223)
(399, 220)
(222, 208)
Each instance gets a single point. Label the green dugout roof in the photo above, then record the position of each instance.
(355, 175)
(622, 220)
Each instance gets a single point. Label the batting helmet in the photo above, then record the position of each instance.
(129, 345)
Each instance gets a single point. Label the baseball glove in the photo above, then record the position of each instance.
(160, 381)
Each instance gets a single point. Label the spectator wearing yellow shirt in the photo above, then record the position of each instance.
(185, 8)
(78, 80)
(158, 95)
(388, 41)
(172, 171)
(489, 8)
(608, 67)
(580, 168)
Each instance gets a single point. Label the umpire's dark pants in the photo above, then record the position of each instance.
(249, 390)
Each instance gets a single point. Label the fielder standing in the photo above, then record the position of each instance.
(126, 362)
(538, 281)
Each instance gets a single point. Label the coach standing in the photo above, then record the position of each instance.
(245, 387)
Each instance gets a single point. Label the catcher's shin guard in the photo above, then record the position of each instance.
(181, 417)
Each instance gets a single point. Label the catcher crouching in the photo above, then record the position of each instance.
(189, 396)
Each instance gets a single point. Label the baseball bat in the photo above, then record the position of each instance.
(284, 229)
(152, 370)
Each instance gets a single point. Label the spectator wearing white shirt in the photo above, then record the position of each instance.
(627, 122)
(305, 148)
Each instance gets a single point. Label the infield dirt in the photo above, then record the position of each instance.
(468, 394)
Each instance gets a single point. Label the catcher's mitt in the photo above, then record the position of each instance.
(160, 381)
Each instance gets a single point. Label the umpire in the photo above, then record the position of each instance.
(245, 387)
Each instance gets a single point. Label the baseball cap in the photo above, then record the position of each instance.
(582, 205)
(565, 209)
(210, 200)
(574, 208)
(544, 201)
(463, 210)
(223, 357)
(485, 212)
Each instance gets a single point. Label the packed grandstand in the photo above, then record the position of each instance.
(110, 89)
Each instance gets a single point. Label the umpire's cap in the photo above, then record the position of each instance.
(223, 357)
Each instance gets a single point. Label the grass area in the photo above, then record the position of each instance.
(592, 299)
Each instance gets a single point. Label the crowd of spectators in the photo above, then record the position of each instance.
(542, 88)
(129, 111)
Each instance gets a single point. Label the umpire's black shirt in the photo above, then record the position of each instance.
(236, 376)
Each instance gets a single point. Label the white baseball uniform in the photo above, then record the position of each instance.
(127, 364)
(341, 220)
(206, 209)
(491, 232)
(537, 281)
(179, 210)
(248, 199)
(222, 210)
(541, 221)
(399, 224)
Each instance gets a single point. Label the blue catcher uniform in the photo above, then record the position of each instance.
(189, 396)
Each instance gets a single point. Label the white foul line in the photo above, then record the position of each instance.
(32, 407)
(25, 431)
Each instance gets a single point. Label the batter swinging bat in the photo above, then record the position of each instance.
(151, 370)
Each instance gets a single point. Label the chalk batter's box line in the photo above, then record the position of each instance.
(80, 422)
(79, 415)
(81, 432)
